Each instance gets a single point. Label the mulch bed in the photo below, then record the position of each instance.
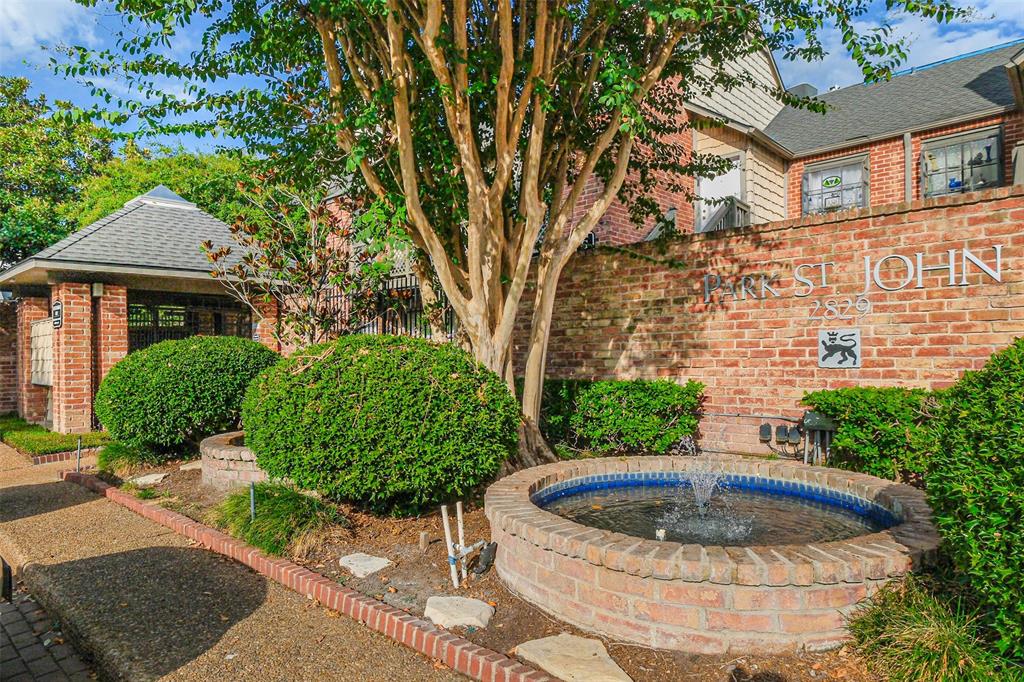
(416, 575)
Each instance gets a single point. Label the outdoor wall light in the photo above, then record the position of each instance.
(764, 433)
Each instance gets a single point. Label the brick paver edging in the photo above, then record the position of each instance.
(66, 456)
(420, 635)
(696, 598)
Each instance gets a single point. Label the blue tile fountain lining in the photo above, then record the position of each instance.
(679, 479)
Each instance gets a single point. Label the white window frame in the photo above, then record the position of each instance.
(862, 159)
(946, 142)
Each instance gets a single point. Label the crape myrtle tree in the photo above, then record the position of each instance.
(478, 125)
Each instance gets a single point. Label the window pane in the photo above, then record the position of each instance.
(953, 158)
(961, 165)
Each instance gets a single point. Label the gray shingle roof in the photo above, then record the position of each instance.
(158, 229)
(953, 89)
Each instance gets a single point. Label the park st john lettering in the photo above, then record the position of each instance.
(888, 273)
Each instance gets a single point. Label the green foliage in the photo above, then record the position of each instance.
(42, 162)
(117, 458)
(907, 634)
(639, 415)
(558, 403)
(175, 393)
(211, 181)
(284, 517)
(33, 439)
(394, 423)
(880, 431)
(975, 485)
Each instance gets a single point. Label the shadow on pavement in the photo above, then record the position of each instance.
(156, 608)
(24, 501)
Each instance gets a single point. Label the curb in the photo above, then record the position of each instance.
(420, 635)
(66, 456)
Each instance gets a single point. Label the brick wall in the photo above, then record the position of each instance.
(111, 332)
(72, 359)
(628, 313)
(887, 161)
(8, 357)
(32, 399)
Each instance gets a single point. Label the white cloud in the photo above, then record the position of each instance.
(27, 25)
(995, 22)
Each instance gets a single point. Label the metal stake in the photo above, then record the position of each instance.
(252, 502)
(78, 458)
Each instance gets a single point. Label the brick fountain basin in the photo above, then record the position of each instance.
(701, 598)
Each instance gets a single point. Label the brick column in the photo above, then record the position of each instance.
(111, 333)
(31, 401)
(266, 325)
(72, 359)
(8, 358)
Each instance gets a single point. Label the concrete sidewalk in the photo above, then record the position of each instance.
(146, 605)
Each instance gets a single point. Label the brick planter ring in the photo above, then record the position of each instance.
(227, 463)
(703, 599)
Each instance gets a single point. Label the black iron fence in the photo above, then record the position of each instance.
(396, 309)
(160, 316)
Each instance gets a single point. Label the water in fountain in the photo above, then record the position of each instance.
(716, 521)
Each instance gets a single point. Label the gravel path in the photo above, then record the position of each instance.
(146, 605)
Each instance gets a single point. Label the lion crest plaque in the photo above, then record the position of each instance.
(839, 348)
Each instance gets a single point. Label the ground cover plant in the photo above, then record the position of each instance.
(909, 634)
(118, 458)
(33, 439)
(165, 398)
(975, 486)
(392, 423)
(285, 517)
(884, 432)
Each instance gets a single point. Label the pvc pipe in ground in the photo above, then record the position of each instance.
(448, 545)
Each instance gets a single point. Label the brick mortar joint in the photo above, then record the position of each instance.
(488, 663)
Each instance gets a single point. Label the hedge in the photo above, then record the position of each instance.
(880, 431)
(635, 416)
(392, 423)
(975, 485)
(175, 393)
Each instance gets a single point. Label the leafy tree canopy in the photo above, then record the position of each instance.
(43, 161)
(211, 181)
(477, 124)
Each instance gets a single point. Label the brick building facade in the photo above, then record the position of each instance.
(131, 279)
(737, 318)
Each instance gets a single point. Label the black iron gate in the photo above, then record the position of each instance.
(159, 316)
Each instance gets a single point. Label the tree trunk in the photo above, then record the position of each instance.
(533, 450)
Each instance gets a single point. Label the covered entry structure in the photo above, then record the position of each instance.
(129, 280)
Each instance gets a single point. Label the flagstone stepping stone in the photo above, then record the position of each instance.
(191, 466)
(361, 565)
(572, 658)
(148, 479)
(449, 612)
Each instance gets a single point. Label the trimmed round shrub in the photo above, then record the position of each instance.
(391, 423)
(975, 485)
(175, 393)
(638, 415)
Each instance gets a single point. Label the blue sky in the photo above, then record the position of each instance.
(26, 26)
